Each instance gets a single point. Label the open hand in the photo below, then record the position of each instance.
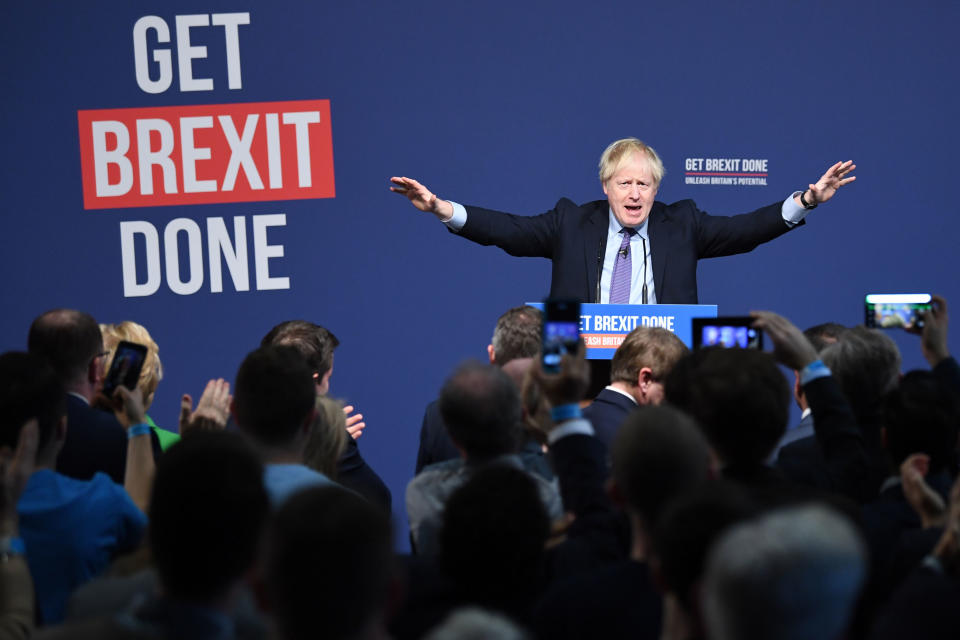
(422, 198)
(213, 410)
(835, 177)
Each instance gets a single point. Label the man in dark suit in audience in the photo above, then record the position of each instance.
(71, 341)
(866, 365)
(517, 335)
(317, 344)
(637, 372)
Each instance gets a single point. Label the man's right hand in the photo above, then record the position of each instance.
(790, 346)
(422, 198)
(933, 336)
(213, 410)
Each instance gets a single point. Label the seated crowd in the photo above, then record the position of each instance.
(675, 504)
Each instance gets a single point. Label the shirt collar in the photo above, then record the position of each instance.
(77, 395)
(614, 226)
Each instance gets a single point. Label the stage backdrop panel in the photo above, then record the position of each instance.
(209, 169)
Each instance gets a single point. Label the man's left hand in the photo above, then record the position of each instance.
(835, 177)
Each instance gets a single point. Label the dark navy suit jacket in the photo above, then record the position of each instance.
(606, 413)
(574, 237)
(96, 441)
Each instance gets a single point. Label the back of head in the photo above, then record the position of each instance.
(689, 527)
(68, 339)
(152, 371)
(328, 437)
(921, 416)
(274, 395)
(315, 343)
(658, 454)
(472, 623)
(480, 405)
(29, 388)
(792, 574)
(328, 564)
(823, 335)
(739, 398)
(517, 335)
(866, 365)
(493, 535)
(646, 347)
(207, 514)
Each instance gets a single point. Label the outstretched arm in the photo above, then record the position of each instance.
(422, 198)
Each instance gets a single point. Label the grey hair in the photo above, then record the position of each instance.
(472, 623)
(792, 574)
(866, 364)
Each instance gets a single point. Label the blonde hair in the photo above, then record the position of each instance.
(619, 151)
(328, 437)
(152, 372)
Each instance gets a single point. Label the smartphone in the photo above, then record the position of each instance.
(561, 332)
(730, 331)
(125, 369)
(895, 310)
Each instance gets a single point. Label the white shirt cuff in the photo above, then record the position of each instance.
(459, 217)
(576, 427)
(793, 214)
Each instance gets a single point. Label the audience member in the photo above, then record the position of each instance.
(658, 454)
(96, 441)
(328, 568)
(637, 371)
(274, 405)
(71, 528)
(790, 574)
(328, 437)
(317, 344)
(150, 375)
(17, 603)
(480, 405)
(681, 540)
(820, 337)
(866, 365)
(516, 335)
(207, 514)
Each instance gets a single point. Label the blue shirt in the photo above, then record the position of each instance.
(283, 480)
(72, 529)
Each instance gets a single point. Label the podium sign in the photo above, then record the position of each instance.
(604, 326)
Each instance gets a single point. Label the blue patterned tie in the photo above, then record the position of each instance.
(622, 270)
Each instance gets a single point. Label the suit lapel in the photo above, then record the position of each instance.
(658, 247)
(595, 243)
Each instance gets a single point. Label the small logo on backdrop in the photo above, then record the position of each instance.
(731, 172)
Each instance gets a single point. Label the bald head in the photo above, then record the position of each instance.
(68, 339)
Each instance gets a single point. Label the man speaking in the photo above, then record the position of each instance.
(628, 248)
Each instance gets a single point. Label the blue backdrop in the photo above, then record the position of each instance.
(504, 104)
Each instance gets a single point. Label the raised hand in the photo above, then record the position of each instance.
(835, 177)
(213, 410)
(933, 339)
(421, 197)
(355, 423)
(790, 346)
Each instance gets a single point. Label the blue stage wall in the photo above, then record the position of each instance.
(504, 104)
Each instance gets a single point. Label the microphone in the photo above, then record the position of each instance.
(624, 252)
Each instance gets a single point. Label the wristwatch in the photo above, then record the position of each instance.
(807, 205)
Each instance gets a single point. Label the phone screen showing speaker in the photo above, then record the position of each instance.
(895, 310)
(731, 332)
(561, 332)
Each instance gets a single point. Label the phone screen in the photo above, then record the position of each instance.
(561, 332)
(731, 332)
(895, 310)
(125, 368)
